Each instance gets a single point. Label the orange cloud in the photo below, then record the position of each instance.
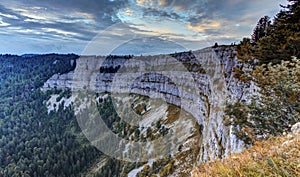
(162, 3)
(202, 27)
(128, 12)
(144, 3)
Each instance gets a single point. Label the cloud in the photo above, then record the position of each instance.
(59, 25)
(195, 11)
(162, 3)
(160, 13)
(2, 23)
(64, 23)
(203, 27)
(100, 9)
(145, 3)
(71, 20)
(8, 16)
(129, 12)
(210, 17)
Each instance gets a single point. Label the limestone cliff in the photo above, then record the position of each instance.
(200, 82)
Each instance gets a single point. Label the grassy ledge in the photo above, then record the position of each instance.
(278, 156)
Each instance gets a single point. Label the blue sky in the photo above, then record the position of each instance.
(101, 27)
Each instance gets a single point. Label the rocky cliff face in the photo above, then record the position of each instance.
(200, 82)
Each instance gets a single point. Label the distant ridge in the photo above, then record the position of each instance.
(29, 55)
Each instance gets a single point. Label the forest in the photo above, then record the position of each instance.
(33, 142)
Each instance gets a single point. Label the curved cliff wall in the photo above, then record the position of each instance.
(200, 82)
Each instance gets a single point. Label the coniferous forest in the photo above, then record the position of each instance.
(33, 142)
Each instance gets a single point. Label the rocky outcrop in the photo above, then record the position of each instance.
(296, 128)
(200, 82)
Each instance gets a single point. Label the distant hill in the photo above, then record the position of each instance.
(29, 55)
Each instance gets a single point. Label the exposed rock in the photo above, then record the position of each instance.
(296, 128)
(199, 82)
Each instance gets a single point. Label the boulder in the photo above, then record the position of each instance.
(296, 128)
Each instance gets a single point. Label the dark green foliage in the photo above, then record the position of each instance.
(64, 94)
(164, 167)
(116, 168)
(245, 51)
(216, 45)
(33, 142)
(261, 28)
(273, 42)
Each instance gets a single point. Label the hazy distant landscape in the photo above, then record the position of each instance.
(149, 88)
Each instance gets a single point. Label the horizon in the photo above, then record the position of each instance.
(41, 54)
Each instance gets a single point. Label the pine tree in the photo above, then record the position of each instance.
(282, 40)
(261, 28)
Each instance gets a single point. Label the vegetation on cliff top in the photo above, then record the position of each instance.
(271, 61)
(279, 156)
(274, 109)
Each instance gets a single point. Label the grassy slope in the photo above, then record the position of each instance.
(278, 156)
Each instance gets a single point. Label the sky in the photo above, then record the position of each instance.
(138, 27)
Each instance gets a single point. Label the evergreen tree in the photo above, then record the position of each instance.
(261, 28)
(277, 41)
